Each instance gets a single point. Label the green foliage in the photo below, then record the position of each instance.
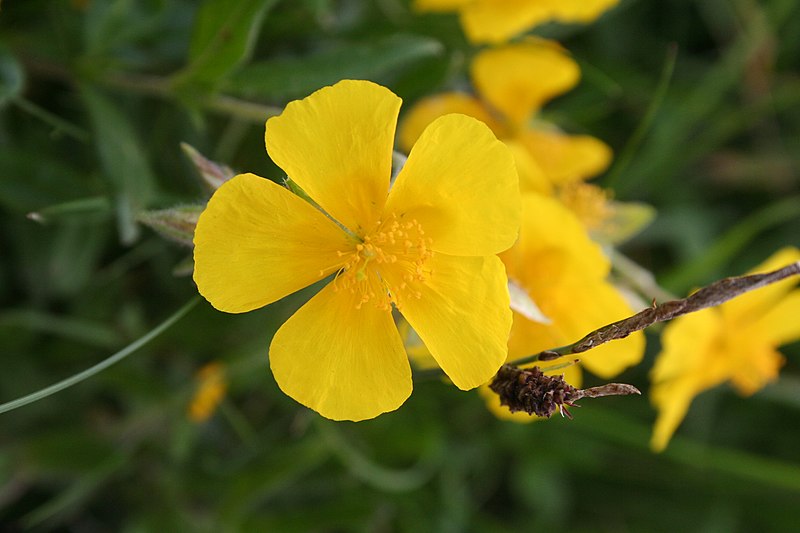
(96, 97)
(378, 59)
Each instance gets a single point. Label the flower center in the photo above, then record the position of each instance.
(387, 265)
(589, 202)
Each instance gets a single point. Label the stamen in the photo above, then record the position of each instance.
(395, 250)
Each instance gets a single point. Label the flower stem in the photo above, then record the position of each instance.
(102, 365)
(715, 294)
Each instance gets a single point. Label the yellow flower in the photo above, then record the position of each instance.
(426, 247)
(564, 272)
(513, 83)
(496, 21)
(734, 342)
(211, 388)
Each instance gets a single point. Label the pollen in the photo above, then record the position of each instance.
(388, 265)
(589, 202)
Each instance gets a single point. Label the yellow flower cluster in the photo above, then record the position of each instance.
(491, 199)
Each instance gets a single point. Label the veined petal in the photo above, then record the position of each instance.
(572, 375)
(781, 324)
(429, 109)
(752, 306)
(566, 158)
(518, 79)
(462, 315)
(337, 145)
(344, 362)
(460, 184)
(256, 242)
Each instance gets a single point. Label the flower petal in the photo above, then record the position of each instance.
(256, 242)
(565, 158)
(460, 184)
(580, 10)
(429, 109)
(672, 399)
(594, 305)
(439, 5)
(781, 324)
(553, 244)
(489, 21)
(752, 306)
(337, 145)
(518, 79)
(531, 177)
(344, 362)
(462, 315)
(683, 369)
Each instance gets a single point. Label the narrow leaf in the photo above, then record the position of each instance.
(377, 60)
(123, 161)
(223, 37)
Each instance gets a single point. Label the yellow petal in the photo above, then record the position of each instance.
(688, 345)
(256, 242)
(580, 10)
(462, 315)
(439, 5)
(343, 362)
(781, 324)
(553, 245)
(460, 184)
(752, 306)
(565, 158)
(575, 309)
(572, 375)
(429, 109)
(337, 145)
(518, 79)
(594, 305)
(531, 176)
(672, 399)
(689, 363)
(752, 367)
(490, 21)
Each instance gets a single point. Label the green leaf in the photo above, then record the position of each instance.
(123, 161)
(11, 77)
(376, 60)
(223, 37)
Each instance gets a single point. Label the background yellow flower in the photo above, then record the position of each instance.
(497, 21)
(734, 342)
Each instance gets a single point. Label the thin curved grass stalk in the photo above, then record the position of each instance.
(105, 363)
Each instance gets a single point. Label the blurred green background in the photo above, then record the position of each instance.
(96, 96)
